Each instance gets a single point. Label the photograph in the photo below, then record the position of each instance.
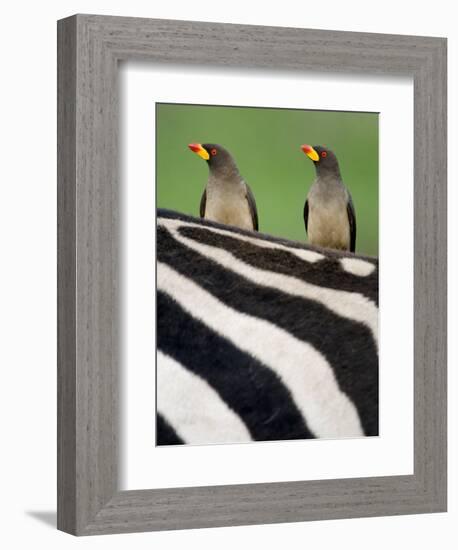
(267, 274)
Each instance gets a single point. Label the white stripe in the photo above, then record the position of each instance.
(356, 266)
(309, 256)
(350, 305)
(310, 379)
(193, 408)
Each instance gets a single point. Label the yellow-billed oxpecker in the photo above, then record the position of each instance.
(227, 198)
(329, 215)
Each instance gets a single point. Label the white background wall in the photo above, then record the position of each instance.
(28, 272)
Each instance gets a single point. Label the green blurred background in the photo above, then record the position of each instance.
(265, 144)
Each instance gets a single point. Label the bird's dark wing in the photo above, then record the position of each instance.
(352, 222)
(306, 215)
(252, 207)
(203, 202)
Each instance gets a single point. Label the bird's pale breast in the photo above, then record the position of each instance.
(328, 225)
(228, 204)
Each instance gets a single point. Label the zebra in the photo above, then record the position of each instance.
(261, 338)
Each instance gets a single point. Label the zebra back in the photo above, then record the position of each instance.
(261, 338)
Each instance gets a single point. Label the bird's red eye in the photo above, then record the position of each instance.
(213, 152)
(324, 154)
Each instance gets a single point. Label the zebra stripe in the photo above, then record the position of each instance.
(275, 274)
(284, 338)
(302, 369)
(190, 403)
(329, 273)
(321, 328)
(310, 256)
(249, 388)
(358, 267)
(165, 434)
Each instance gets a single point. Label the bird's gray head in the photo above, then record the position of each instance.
(219, 160)
(324, 160)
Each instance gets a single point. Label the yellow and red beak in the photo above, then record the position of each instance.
(310, 152)
(199, 150)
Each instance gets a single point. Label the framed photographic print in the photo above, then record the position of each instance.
(229, 351)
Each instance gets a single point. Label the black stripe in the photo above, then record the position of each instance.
(165, 434)
(328, 273)
(347, 345)
(249, 388)
(328, 252)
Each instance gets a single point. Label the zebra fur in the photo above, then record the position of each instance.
(261, 338)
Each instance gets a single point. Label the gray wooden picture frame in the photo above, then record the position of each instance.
(89, 49)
